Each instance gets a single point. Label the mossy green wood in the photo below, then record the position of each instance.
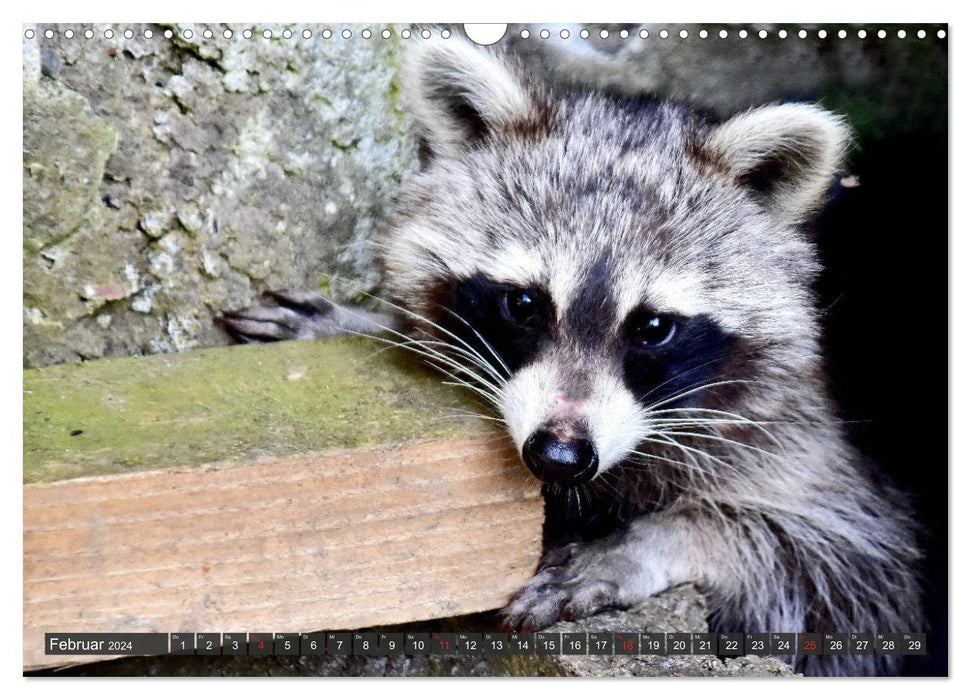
(117, 416)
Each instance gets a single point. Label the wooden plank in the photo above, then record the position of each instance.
(285, 488)
(334, 540)
(125, 415)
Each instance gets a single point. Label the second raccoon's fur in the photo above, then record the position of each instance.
(632, 283)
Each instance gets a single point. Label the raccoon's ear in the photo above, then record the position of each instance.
(786, 154)
(459, 94)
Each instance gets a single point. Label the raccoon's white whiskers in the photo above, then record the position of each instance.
(701, 387)
(428, 349)
(705, 455)
(471, 355)
(675, 422)
(441, 363)
(423, 319)
(409, 345)
(474, 357)
(466, 351)
(476, 360)
(458, 417)
(486, 343)
(690, 469)
(719, 438)
(711, 426)
(434, 357)
(459, 351)
(702, 453)
(697, 473)
(719, 412)
(464, 413)
(458, 381)
(472, 414)
(477, 388)
(693, 471)
(601, 481)
(451, 361)
(466, 385)
(734, 419)
(693, 368)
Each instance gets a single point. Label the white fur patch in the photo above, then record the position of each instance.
(528, 399)
(665, 289)
(611, 413)
(515, 264)
(565, 270)
(615, 419)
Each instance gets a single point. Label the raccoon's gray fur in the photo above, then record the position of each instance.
(630, 285)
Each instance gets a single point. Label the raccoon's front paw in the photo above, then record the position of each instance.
(292, 314)
(566, 587)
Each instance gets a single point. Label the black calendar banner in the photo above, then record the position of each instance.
(488, 643)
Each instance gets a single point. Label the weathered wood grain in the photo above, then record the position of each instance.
(398, 528)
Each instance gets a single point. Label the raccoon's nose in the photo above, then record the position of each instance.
(556, 461)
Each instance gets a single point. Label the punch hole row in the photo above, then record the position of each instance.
(366, 33)
(544, 33)
(741, 33)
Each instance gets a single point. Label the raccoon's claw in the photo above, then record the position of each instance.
(293, 315)
(303, 301)
(297, 314)
(565, 588)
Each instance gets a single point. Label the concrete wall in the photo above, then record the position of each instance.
(168, 179)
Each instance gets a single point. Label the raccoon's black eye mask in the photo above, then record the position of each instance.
(665, 356)
(659, 354)
(516, 322)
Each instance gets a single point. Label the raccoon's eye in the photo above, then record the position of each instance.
(652, 330)
(522, 308)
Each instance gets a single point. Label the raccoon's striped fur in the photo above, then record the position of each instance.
(631, 285)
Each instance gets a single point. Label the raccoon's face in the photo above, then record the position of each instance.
(603, 268)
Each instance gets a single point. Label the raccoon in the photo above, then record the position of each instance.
(630, 284)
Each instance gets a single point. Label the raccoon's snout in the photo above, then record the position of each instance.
(566, 462)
